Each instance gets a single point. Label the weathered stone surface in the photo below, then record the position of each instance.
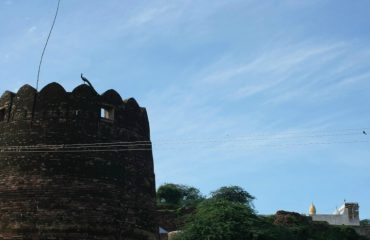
(175, 219)
(288, 219)
(76, 194)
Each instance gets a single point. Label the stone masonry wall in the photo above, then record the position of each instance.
(77, 194)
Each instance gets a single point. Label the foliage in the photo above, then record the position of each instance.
(365, 222)
(178, 195)
(233, 194)
(300, 228)
(169, 193)
(218, 219)
(190, 195)
(229, 214)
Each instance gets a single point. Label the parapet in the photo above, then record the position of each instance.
(81, 107)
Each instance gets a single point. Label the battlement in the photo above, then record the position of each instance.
(83, 107)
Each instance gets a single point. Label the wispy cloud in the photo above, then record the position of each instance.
(279, 76)
(148, 15)
(8, 2)
(285, 73)
(32, 29)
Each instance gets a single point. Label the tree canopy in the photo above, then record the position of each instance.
(233, 194)
(218, 219)
(365, 222)
(169, 193)
(179, 195)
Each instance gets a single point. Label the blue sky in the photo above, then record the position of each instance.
(269, 95)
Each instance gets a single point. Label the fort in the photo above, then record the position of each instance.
(75, 165)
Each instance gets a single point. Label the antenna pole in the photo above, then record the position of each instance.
(46, 44)
(42, 57)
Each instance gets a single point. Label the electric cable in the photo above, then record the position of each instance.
(169, 142)
(45, 150)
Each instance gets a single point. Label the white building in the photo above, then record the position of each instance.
(347, 214)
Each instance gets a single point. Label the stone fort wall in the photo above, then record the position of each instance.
(77, 194)
(336, 219)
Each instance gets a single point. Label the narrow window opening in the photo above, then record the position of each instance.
(2, 114)
(107, 113)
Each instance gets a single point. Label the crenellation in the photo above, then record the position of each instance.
(81, 107)
(6, 102)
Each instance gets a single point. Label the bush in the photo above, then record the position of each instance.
(220, 220)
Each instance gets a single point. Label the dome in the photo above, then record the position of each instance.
(312, 210)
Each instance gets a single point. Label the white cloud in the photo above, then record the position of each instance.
(289, 72)
(32, 29)
(148, 15)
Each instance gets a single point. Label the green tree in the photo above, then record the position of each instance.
(233, 194)
(219, 219)
(169, 193)
(191, 196)
(365, 222)
(179, 195)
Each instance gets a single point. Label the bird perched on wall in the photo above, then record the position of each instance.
(364, 132)
(87, 82)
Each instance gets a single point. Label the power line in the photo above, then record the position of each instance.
(146, 145)
(274, 135)
(169, 142)
(108, 149)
